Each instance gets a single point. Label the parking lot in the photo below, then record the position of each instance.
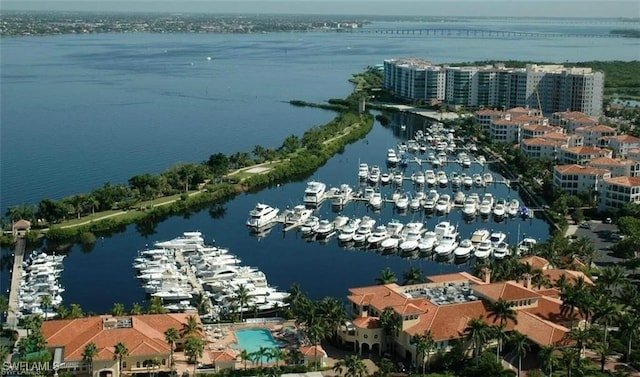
(600, 234)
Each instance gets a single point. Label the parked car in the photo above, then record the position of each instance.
(608, 220)
(585, 225)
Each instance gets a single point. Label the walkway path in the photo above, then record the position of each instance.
(16, 276)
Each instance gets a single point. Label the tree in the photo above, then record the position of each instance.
(120, 353)
(570, 359)
(352, 365)
(117, 310)
(76, 311)
(191, 327)
(603, 349)
(4, 352)
(412, 276)
(242, 298)
(260, 354)
(424, 344)
(391, 325)
(548, 358)
(156, 306)
(136, 309)
(331, 312)
(477, 332)
(521, 346)
(46, 302)
(276, 354)
(52, 211)
(315, 332)
(607, 312)
(90, 351)
(202, 303)
(630, 329)
(218, 163)
(387, 277)
(245, 356)
(503, 311)
(194, 349)
(171, 335)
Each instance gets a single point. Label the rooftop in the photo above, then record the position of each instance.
(579, 169)
(624, 181)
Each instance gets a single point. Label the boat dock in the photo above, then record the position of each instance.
(193, 279)
(16, 276)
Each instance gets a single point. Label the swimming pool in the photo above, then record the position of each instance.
(252, 339)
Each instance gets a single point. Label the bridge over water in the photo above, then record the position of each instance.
(474, 33)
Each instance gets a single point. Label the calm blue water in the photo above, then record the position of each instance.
(78, 111)
(252, 339)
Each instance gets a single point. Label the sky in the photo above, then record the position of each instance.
(501, 8)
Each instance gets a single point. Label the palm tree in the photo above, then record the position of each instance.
(424, 344)
(276, 354)
(521, 345)
(202, 303)
(391, 325)
(477, 332)
(4, 353)
(412, 276)
(260, 354)
(630, 329)
(118, 310)
(570, 359)
(352, 365)
(136, 309)
(547, 355)
(242, 298)
(580, 336)
(46, 302)
(121, 351)
(331, 310)
(90, 351)
(171, 335)
(245, 356)
(607, 312)
(386, 277)
(156, 306)
(191, 327)
(315, 331)
(603, 349)
(194, 349)
(76, 311)
(503, 311)
(611, 277)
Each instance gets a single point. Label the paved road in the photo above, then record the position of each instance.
(599, 234)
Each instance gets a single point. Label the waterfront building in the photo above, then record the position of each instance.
(618, 192)
(582, 155)
(539, 130)
(484, 117)
(143, 335)
(540, 147)
(621, 144)
(592, 135)
(570, 120)
(445, 305)
(577, 178)
(414, 79)
(634, 154)
(549, 88)
(618, 167)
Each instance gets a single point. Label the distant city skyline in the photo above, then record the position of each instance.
(467, 8)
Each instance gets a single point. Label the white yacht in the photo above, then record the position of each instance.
(385, 178)
(188, 241)
(363, 171)
(443, 180)
(398, 178)
(480, 235)
(464, 249)
(310, 225)
(392, 157)
(262, 215)
(483, 250)
(412, 233)
(447, 244)
(418, 178)
(340, 221)
(466, 162)
(347, 231)
(427, 242)
(467, 181)
(364, 230)
(402, 203)
(513, 208)
(470, 208)
(325, 229)
(394, 227)
(501, 250)
(374, 174)
(314, 193)
(499, 209)
(477, 180)
(496, 238)
(443, 205)
(390, 243)
(487, 178)
(375, 201)
(459, 198)
(525, 246)
(443, 228)
(377, 236)
(430, 177)
(297, 215)
(342, 196)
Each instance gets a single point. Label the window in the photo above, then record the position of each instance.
(164, 361)
(137, 364)
(124, 364)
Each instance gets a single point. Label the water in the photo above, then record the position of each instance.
(251, 340)
(78, 111)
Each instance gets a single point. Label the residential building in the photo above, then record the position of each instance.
(414, 79)
(582, 155)
(570, 120)
(314, 355)
(621, 144)
(577, 178)
(538, 130)
(618, 192)
(461, 87)
(618, 167)
(444, 306)
(634, 154)
(143, 336)
(542, 147)
(592, 135)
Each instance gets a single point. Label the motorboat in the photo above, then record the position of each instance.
(347, 231)
(480, 235)
(443, 180)
(398, 178)
(456, 180)
(392, 157)
(501, 250)
(325, 229)
(342, 196)
(363, 171)
(483, 250)
(443, 228)
(314, 193)
(443, 205)
(416, 202)
(427, 242)
(477, 180)
(385, 178)
(390, 243)
(418, 178)
(481, 160)
(447, 244)
(402, 202)
(496, 238)
(464, 249)
(412, 233)
(459, 198)
(513, 207)
(188, 241)
(374, 174)
(526, 245)
(375, 201)
(297, 215)
(469, 209)
(488, 178)
(466, 162)
(261, 215)
(499, 209)
(379, 234)
(394, 227)
(364, 230)
(430, 177)
(310, 225)
(340, 221)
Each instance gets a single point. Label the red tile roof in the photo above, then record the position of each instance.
(509, 291)
(579, 169)
(538, 330)
(587, 150)
(222, 356)
(455, 277)
(599, 128)
(624, 181)
(367, 322)
(540, 141)
(311, 351)
(535, 262)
